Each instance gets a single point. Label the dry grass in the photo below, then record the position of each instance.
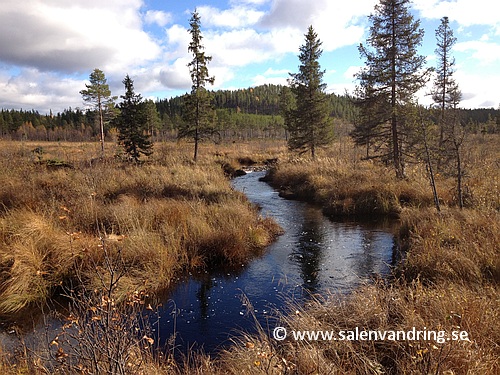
(362, 188)
(450, 282)
(453, 246)
(347, 186)
(448, 279)
(165, 216)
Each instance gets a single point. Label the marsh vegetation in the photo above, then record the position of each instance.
(171, 215)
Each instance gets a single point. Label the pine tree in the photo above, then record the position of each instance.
(287, 103)
(98, 94)
(309, 123)
(198, 112)
(394, 71)
(368, 124)
(132, 123)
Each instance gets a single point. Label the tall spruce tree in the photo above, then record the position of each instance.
(394, 72)
(98, 94)
(309, 123)
(447, 96)
(198, 112)
(445, 87)
(132, 123)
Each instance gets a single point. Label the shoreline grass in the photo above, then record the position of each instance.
(344, 185)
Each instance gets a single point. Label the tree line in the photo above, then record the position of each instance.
(75, 124)
(385, 115)
(240, 114)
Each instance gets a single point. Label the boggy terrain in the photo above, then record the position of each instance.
(59, 210)
(447, 278)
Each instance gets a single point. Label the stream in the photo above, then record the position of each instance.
(315, 255)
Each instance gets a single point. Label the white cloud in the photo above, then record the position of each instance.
(176, 76)
(465, 12)
(279, 72)
(158, 17)
(351, 72)
(478, 90)
(74, 36)
(49, 47)
(222, 74)
(177, 43)
(236, 17)
(249, 2)
(41, 90)
(272, 76)
(263, 79)
(337, 24)
(485, 52)
(238, 47)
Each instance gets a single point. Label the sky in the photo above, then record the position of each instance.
(48, 48)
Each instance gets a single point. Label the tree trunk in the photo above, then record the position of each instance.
(459, 177)
(195, 157)
(101, 126)
(429, 168)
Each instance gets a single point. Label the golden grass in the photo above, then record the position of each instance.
(346, 189)
(445, 286)
(164, 217)
(459, 246)
(448, 278)
(347, 186)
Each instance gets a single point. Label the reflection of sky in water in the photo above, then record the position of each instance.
(314, 255)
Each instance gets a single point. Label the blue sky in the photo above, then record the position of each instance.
(48, 48)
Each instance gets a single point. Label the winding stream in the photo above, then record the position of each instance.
(315, 255)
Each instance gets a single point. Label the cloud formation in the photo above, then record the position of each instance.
(158, 17)
(49, 47)
(465, 12)
(74, 36)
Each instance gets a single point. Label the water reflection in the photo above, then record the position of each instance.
(308, 254)
(314, 255)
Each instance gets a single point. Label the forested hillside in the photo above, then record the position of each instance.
(260, 100)
(251, 112)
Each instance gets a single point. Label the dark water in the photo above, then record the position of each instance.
(315, 255)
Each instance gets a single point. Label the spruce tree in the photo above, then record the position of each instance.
(198, 112)
(445, 89)
(394, 71)
(309, 123)
(447, 96)
(153, 121)
(98, 94)
(132, 123)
